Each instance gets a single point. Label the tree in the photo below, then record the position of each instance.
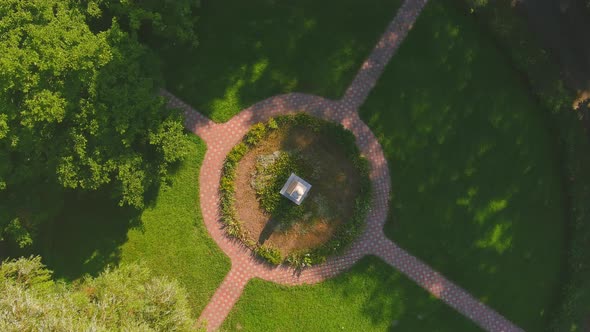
(172, 19)
(78, 110)
(123, 299)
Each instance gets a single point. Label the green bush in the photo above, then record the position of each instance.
(303, 259)
(237, 153)
(270, 254)
(272, 124)
(255, 134)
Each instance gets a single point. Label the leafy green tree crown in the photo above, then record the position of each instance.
(122, 299)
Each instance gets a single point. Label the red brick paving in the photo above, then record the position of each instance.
(441, 288)
(220, 138)
(372, 68)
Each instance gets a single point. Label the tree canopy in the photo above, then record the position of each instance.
(78, 110)
(174, 20)
(123, 299)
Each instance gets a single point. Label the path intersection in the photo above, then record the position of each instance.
(222, 137)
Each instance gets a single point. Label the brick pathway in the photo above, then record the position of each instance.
(442, 288)
(220, 138)
(372, 68)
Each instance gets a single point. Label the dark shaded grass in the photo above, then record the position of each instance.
(476, 189)
(371, 297)
(252, 50)
(169, 236)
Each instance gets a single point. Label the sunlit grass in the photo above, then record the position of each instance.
(169, 236)
(173, 240)
(371, 297)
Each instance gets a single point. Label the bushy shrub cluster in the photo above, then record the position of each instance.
(127, 298)
(226, 189)
(270, 254)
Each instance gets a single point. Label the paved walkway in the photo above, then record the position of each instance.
(220, 138)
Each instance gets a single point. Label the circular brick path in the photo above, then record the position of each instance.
(220, 138)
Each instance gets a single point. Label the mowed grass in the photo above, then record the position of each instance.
(372, 296)
(169, 236)
(477, 190)
(253, 50)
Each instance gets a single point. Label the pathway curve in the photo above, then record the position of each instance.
(220, 138)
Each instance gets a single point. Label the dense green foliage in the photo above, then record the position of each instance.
(174, 20)
(372, 296)
(270, 254)
(168, 236)
(123, 299)
(279, 207)
(78, 110)
(509, 30)
(252, 50)
(477, 188)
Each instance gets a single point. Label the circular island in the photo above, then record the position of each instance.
(295, 190)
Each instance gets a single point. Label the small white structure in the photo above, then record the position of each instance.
(295, 189)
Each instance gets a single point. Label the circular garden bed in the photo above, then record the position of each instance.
(276, 229)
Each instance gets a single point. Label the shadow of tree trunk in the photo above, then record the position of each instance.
(267, 231)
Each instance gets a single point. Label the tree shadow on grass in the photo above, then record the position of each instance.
(476, 186)
(88, 233)
(253, 50)
(86, 236)
(372, 296)
(391, 298)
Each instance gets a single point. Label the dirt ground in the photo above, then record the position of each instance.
(338, 183)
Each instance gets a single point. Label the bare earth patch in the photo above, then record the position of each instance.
(335, 183)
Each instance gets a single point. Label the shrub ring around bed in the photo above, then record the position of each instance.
(343, 235)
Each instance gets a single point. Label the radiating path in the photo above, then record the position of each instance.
(441, 288)
(220, 139)
(372, 68)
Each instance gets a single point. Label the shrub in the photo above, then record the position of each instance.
(270, 254)
(255, 134)
(237, 153)
(272, 124)
(300, 259)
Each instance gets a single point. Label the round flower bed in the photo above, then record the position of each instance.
(276, 229)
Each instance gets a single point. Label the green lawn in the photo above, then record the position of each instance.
(252, 50)
(477, 190)
(371, 297)
(168, 236)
